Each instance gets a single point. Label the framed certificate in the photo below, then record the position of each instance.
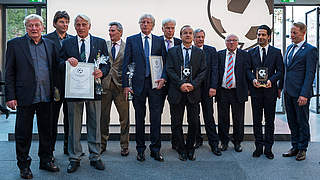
(156, 68)
(79, 81)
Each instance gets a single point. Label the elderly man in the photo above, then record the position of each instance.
(300, 62)
(208, 90)
(113, 91)
(60, 23)
(30, 61)
(84, 48)
(138, 49)
(232, 91)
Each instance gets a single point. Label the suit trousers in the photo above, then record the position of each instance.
(227, 99)
(23, 132)
(139, 103)
(56, 112)
(75, 113)
(193, 119)
(116, 95)
(298, 120)
(267, 106)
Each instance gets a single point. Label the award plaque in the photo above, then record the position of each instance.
(186, 74)
(262, 76)
(156, 68)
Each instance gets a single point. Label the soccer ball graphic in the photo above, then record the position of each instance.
(240, 17)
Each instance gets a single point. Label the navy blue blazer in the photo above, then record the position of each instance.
(70, 48)
(134, 53)
(240, 72)
(274, 63)
(20, 79)
(211, 80)
(300, 73)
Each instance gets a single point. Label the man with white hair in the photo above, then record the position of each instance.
(28, 88)
(84, 48)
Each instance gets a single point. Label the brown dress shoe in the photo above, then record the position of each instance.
(124, 152)
(290, 153)
(301, 155)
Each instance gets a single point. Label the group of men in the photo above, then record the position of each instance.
(193, 73)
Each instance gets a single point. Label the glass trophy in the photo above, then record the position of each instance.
(186, 74)
(262, 76)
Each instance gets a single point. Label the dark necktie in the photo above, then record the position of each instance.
(113, 51)
(264, 55)
(146, 53)
(168, 44)
(83, 51)
(291, 53)
(187, 58)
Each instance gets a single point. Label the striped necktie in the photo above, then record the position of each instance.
(83, 51)
(229, 76)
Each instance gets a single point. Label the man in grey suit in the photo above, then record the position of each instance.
(113, 91)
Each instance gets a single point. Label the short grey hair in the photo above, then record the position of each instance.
(232, 35)
(119, 26)
(32, 17)
(147, 16)
(197, 31)
(82, 16)
(165, 21)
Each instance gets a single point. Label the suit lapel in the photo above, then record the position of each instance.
(193, 55)
(48, 53)
(122, 46)
(75, 43)
(26, 50)
(92, 49)
(140, 45)
(109, 46)
(257, 54)
(286, 55)
(297, 53)
(180, 56)
(223, 62)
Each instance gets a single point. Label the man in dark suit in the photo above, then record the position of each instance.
(138, 49)
(168, 29)
(113, 91)
(186, 69)
(208, 90)
(84, 48)
(28, 88)
(264, 92)
(300, 62)
(232, 91)
(60, 22)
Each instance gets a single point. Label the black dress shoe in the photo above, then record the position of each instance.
(301, 155)
(157, 156)
(7, 112)
(257, 153)
(216, 150)
(49, 166)
(174, 147)
(237, 148)
(183, 156)
(83, 154)
(73, 166)
(26, 173)
(140, 156)
(97, 164)
(224, 147)
(198, 144)
(290, 153)
(124, 152)
(191, 156)
(269, 154)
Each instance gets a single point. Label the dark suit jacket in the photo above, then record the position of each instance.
(274, 63)
(176, 41)
(240, 72)
(134, 53)
(300, 73)
(199, 70)
(211, 79)
(20, 79)
(70, 48)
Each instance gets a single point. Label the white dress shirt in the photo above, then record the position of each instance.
(299, 45)
(87, 46)
(225, 70)
(261, 51)
(149, 40)
(117, 47)
(171, 42)
(185, 51)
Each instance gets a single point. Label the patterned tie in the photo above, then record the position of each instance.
(146, 53)
(113, 51)
(83, 51)
(291, 53)
(264, 55)
(168, 44)
(229, 76)
(187, 58)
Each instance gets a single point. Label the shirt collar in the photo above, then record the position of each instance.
(143, 35)
(266, 47)
(171, 40)
(299, 44)
(86, 39)
(234, 52)
(117, 43)
(31, 40)
(182, 46)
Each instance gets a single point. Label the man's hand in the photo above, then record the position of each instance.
(184, 87)
(302, 101)
(97, 73)
(269, 84)
(12, 104)
(212, 92)
(73, 61)
(160, 83)
(126, 91)
(256, 83)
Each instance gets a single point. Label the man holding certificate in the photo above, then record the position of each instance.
(78, 56)
(266, 69)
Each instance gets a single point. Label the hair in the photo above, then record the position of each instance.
(59, 15)
(147, 16)
(119, 26)
(184, 27)
(197, 31)
(265, 27)
(165, 21)
(82, 16)
(301, 26)
(32, 17)
(232, 35)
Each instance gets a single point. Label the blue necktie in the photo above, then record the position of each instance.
(291, 53)
(113, 51)
(187, 58)
(83, 51)
(146, 53)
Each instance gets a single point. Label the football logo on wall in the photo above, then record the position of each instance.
(240, 17)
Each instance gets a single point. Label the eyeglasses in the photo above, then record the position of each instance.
(37, 25)
(231, 40)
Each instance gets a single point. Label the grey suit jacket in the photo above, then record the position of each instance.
(115, 72)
